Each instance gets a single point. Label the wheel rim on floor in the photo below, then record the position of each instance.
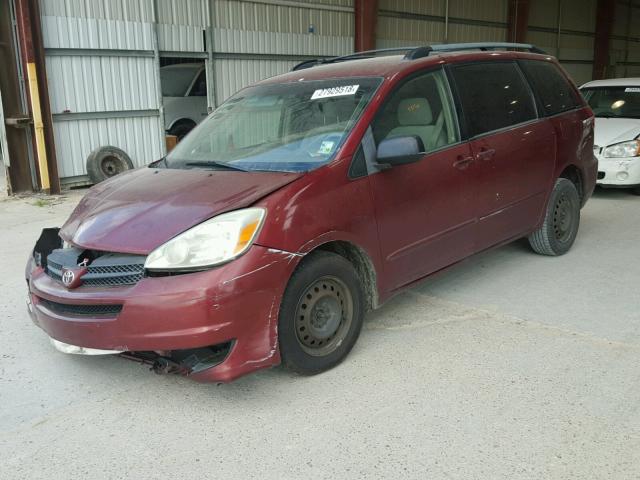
(111, 165)
(563, 219)
(323, 316)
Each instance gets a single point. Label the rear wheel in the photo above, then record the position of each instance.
(321, 314)
(561, 221)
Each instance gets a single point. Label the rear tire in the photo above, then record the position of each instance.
(561, 221)
(321, 314)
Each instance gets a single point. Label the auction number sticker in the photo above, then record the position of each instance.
(632, 89)
(335, 91)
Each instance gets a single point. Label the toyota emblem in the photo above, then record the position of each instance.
(68, 277)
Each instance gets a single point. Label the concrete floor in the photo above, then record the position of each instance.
(510, 365)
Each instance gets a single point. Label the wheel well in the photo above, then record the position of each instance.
(182, 121)
(363, 265)
(572, 173)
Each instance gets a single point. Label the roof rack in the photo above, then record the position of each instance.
(414, 53)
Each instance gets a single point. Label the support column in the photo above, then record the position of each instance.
(518, 21)
(32, 51)
(366, 17)
(605, 14)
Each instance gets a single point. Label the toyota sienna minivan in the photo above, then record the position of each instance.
(310, 198)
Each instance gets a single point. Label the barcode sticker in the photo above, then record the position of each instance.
(335, 91)
(632, 89)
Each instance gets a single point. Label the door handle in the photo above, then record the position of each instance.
(462, 162)
(486, 154)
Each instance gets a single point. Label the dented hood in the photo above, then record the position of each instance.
(139, 210)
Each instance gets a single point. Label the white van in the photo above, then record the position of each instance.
(616, 105)
(184, 96)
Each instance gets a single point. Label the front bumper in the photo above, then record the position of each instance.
(237, 302)
(618, 172)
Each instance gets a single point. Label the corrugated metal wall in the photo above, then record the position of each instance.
(565, 28)
(102, 61)
(416, 22)
(103, 80)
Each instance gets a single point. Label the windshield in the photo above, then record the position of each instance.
(176, 80)
(623, 102)
(293, 127)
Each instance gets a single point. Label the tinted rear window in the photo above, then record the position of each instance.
(493, 96)
(553, 89)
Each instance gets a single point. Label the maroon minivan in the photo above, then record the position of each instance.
(312, 197)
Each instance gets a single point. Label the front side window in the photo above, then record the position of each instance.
(281, 127)
(422, 108)
(554, 90)
(493, 96)
(609, 102)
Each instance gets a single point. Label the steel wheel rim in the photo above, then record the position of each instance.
(563, 219)
(110, 166)
(324, 316)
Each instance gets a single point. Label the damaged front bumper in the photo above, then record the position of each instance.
(214, 325)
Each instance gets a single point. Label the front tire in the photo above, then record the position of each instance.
(561, 221)
(321, 314)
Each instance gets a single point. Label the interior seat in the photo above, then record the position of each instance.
(416, 118)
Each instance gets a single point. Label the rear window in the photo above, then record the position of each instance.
(553, 89)
(493, 96)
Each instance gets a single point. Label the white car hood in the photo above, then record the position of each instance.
(615, 130)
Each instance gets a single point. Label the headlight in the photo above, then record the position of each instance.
(624, 149)
(215, 241)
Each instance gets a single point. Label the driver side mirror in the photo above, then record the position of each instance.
(400, 150)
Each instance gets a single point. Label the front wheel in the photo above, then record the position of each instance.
(561, 221)
(321, 314)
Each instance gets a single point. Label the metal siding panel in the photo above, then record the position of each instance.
(234, 74)
(486, 10)
(72, 32)
(236, 15)
(97, 84)
(475, 33)
(126, 10)
(141, 138)
(279, 43)
(413, 6)
(543, 13)
(396, 32)
(579, 15)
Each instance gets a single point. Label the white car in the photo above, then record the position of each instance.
(184, 96)
(616, 104)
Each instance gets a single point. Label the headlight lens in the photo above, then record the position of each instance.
(215, 241)
(624, 149)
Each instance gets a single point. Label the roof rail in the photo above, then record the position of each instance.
(414, 53)
(352, 56)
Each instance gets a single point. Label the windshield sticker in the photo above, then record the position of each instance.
(632, 89)
(335, 91)
(326, 147)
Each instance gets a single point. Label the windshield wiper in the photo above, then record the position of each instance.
(213, 163)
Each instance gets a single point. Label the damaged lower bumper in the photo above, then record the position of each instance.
(214, 326)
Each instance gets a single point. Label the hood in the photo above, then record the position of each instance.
(139, 210)
(615, 130)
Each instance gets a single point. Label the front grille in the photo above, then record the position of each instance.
(108, 270)
(81, 310)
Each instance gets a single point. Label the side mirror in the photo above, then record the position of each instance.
(400, 150)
